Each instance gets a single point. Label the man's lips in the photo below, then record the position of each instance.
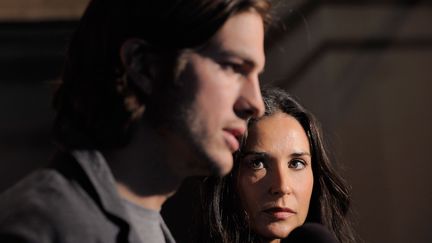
(279, 213)
(233, 136)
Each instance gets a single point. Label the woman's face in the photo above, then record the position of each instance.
(275, 176)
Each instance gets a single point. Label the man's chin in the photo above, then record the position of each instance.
(208, 166)
(210, 160)
(223, 166)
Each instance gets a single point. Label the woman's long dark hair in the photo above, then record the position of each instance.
(225, 219)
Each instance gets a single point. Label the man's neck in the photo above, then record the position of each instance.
(153, 202)
(143, 171)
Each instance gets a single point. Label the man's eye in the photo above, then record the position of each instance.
(231, 67)
(297, 164)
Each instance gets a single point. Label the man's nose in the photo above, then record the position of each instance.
(250, 103)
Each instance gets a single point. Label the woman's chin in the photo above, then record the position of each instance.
(276, 230)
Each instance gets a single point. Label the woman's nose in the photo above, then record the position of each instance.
(280, 182)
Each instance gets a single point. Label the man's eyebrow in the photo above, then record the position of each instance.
(242, 55)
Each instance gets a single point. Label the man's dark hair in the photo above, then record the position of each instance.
(98, 99)
(225, 219)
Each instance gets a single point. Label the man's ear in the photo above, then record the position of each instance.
(139, 60)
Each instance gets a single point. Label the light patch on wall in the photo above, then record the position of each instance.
(41, 10)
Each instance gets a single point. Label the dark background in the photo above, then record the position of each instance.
(363, 67)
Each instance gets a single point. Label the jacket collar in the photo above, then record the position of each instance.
(94, 165)
(90, 169)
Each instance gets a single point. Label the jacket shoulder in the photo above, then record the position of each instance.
(47, 206)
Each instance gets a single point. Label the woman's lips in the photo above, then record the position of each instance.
(279, 213)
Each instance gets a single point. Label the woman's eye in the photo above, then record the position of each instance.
(256, 164)
(297, 164)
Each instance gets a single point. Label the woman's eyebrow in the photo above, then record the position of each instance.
(300, 154)
(254, 153)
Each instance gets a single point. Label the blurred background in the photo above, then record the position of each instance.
(363, 67)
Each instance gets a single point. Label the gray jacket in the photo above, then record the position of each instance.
(72, 201)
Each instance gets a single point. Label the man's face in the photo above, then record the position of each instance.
(224, 75)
